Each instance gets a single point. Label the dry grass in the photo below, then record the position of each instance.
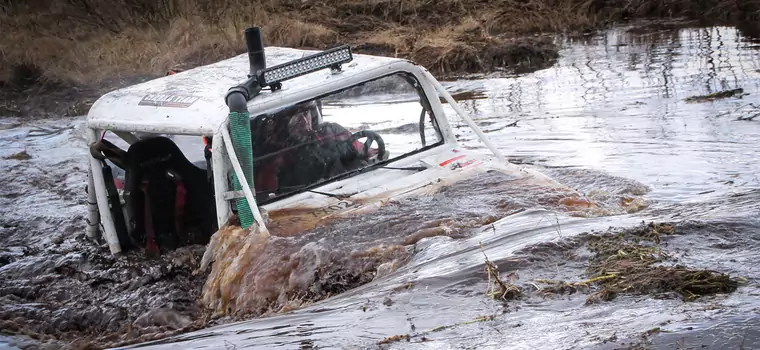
(101, 53)
(86, 42)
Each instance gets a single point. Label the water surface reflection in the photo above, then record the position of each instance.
(615, 103)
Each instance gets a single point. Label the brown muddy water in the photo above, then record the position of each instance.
(610, 119)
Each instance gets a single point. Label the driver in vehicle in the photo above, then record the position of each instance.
(297, 153)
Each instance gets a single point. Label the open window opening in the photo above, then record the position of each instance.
(160, 189)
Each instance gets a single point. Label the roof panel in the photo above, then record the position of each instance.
(192, 102)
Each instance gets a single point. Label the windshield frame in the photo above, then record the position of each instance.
(425, 104)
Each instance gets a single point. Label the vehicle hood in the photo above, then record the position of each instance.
(367, 192)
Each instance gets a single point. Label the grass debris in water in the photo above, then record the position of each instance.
(394, 338)
(716, 96)
(19, 156)
(499, 288)
(634, 262)
(630, 260)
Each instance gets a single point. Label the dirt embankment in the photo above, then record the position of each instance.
(60, 55)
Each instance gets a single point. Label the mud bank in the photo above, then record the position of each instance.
(73, 52)
(87, 49)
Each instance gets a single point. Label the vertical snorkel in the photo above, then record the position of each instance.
(239, 119)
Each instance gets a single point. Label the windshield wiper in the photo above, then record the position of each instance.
(417, 168)
(295, 189)
(339, 196)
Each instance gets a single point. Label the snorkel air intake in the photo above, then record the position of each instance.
(240, 119)
(257, 61)
(255, 44)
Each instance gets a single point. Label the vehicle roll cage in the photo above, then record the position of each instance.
(225, 157)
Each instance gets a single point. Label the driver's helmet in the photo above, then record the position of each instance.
(300, 120)
(296, 120)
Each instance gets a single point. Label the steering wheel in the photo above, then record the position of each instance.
(371, 136)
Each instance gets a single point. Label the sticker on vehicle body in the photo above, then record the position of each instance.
(167, 100)
(473, 162)
(449, 161)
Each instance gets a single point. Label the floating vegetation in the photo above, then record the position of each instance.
(49, 131)
(19, 156)
(394, 338)
(477, 319)
(747, 112)
(500, 289)
(717, 95)
(562, 287)
(630, 263)
(422, 336)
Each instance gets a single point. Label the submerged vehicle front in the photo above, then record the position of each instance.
(307, 140)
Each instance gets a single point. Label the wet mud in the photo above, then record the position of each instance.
(59, 289)
(79, 296)
(50, 99)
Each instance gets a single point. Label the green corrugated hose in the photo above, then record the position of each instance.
(240, 130)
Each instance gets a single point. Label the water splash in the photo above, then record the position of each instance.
(253, 276)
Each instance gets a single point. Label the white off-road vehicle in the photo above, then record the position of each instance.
(304, 137)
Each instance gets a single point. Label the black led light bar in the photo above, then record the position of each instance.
(332, 58)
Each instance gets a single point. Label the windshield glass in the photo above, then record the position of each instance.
(335, 136)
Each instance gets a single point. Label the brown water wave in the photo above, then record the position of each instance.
(252, 276)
